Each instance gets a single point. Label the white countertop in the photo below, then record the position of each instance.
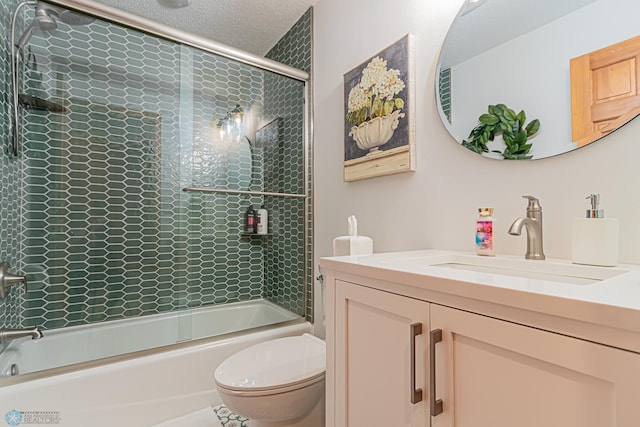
(611, 301)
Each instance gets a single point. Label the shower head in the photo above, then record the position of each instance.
(45, 19)
(67, 16)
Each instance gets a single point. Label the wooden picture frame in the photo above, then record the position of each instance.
(379, 125)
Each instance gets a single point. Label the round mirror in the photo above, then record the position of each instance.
(523, 79)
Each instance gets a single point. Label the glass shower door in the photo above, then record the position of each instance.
(102, 201)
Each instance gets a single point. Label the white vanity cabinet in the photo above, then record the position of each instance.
(494, 373)
(487, 372)
(373, 375)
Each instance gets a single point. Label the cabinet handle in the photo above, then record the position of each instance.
(436, 405)
(416, 395)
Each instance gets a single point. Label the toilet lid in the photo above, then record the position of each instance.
(273, 364)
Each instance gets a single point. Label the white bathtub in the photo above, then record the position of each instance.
(61, 347)
(139, 389)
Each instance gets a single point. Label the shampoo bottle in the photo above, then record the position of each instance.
(484, 232)
(262, 221)
(595, 238)
(249, 221)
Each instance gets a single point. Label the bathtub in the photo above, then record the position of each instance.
(65, 387)
(67, 346)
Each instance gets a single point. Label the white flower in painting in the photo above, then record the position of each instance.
(390, 84)
(358, 98)
(374, 95)
(373, 72)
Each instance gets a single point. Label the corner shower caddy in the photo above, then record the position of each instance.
(244, 192)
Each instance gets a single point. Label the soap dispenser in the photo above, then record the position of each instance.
(595, 238)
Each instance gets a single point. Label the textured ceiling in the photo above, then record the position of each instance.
(251, 25)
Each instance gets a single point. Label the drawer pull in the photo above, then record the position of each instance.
(416, 395)
(436, 405)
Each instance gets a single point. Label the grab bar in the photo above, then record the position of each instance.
(250, 193)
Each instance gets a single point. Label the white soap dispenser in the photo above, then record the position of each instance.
(595, 238)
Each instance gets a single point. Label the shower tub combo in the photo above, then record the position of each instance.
(59, 375)
(94, 241)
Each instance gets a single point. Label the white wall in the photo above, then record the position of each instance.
(436, 206)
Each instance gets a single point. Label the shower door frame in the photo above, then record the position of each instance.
(151, 27)
(148, 26)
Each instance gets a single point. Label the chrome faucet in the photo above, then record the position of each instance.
(13, 334)
(533, 224)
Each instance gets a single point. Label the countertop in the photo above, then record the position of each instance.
(612, 302)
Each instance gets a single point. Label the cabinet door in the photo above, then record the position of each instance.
(373, 361)
(492, 373)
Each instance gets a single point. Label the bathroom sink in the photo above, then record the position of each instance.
(552, 271)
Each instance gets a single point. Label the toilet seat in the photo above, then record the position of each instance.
(273, 367)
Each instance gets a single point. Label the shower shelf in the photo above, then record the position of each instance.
(251, 193)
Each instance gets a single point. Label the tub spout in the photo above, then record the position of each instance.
(13, 334)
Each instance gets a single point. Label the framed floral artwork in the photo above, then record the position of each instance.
(379, 128)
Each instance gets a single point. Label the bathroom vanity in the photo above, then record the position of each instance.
(439, 338)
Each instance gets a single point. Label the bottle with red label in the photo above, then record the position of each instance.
(249, 221)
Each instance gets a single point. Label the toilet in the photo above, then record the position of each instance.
(277, 383)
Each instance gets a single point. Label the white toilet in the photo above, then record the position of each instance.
(277, 383)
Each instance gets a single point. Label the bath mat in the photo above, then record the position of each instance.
(218, 416)
(229, 419)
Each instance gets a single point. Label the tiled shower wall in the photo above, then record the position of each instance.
(108, 232)
(283, 281)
